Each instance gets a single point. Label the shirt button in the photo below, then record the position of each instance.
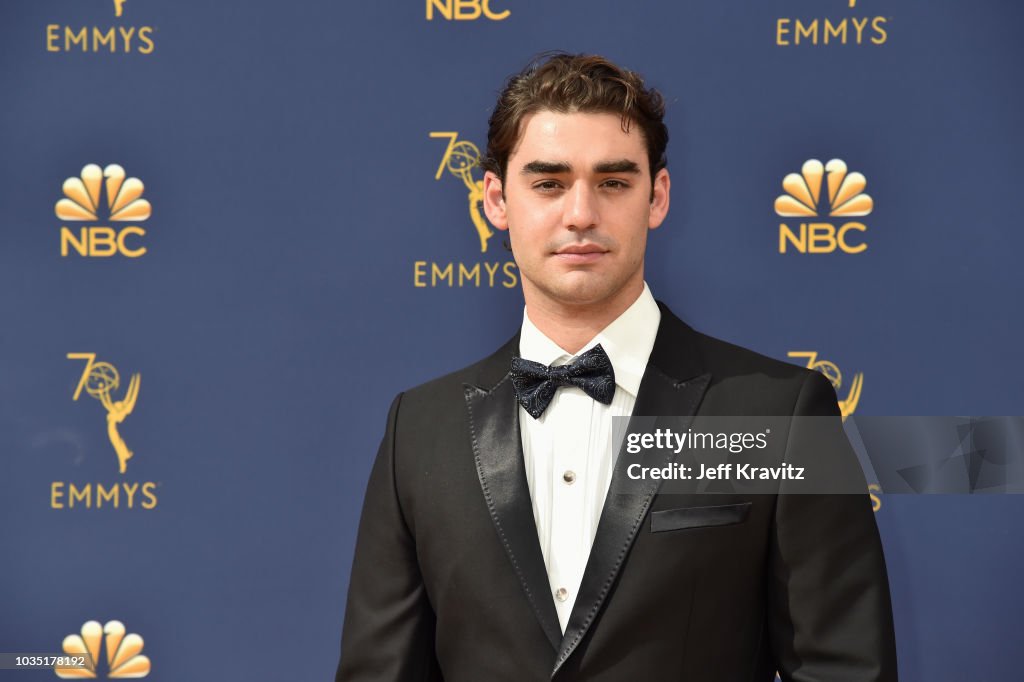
(569, 477)
(561, 594)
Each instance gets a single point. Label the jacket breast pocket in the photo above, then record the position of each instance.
(699, 517)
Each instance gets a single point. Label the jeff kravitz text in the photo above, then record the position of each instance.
(733, 442)
(719, 472)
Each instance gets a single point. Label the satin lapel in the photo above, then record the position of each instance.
(498, 449)
(674, 392)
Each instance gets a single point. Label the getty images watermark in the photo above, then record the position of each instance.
(819, 455)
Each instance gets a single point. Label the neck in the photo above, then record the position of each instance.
(572, 325)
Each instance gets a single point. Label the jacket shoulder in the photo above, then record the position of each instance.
(751, 383)
(484, 374)
(724, 358)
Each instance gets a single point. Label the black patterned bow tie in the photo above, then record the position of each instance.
(535, 383)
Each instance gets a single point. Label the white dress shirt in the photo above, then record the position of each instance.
(568, 451)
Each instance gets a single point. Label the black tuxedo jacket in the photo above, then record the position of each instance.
(448, 581)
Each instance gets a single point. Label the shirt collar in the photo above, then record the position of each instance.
(628, 341)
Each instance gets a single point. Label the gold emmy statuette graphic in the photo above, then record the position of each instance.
(124, 659)
(118, 7)
(82, 196)
(832, 373)
(99, 379)
(803, 191)
(460, 158)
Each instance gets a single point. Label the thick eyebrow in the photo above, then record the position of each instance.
(620, 166)
(546, 168)
(559, 167)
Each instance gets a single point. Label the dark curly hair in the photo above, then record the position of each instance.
(568, 83)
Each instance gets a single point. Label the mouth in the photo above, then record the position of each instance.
(580, 253)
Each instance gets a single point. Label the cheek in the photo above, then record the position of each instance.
(636, 246)
(529, 226)
(537, 216)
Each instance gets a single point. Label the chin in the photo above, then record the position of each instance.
(590, 290)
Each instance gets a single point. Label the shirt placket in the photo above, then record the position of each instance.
(568, 552)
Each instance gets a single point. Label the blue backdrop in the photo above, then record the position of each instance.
(309, 232)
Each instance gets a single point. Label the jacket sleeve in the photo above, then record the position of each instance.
(829, 610)
(388, 634)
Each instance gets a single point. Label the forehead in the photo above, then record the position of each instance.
(578, 138)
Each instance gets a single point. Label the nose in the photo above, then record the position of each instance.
(580, 211)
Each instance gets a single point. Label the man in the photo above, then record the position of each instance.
(490, 547)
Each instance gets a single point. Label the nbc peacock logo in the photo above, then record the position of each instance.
(82, 203)
(124, 652)
(804, 198)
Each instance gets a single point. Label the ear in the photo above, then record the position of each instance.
(494, 202)
(659, 204)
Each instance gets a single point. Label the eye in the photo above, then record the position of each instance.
(547, 186)
(614, 184)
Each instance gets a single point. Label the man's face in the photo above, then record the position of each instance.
(577, 205)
